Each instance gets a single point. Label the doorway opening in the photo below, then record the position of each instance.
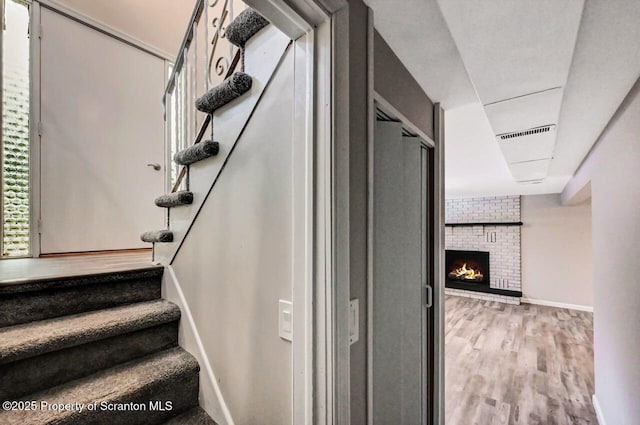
(515, 329)
(15, 240)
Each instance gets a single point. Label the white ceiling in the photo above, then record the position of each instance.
(474, 166)
(158, 23)
(421, 40)
(514, 48)
(589, 52)
(606, 64)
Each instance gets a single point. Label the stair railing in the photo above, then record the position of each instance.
(205, 59)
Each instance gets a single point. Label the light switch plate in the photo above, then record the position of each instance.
(354, 314)
(285, 320)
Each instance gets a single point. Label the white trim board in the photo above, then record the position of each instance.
(557, 304)
(324, 388)
(302, 231)
(339, 364)
(211, 398)
(286, 19)
(596, 407)
(34, 130)
(439, 264)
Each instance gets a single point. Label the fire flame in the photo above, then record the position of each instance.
(467, 273)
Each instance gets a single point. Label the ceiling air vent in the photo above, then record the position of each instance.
(528, 152)
(529, 132)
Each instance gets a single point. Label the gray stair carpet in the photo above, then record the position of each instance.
(168, 376)
(233, 87)
(245, 26)
(195, 416)
(157, 236)
(197, 152)
(54, 368)
(183, 197)
(117, 352)
(28, 340)
(42, 299)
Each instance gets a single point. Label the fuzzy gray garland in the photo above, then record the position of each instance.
(231, 88)
(197, 152)
(245, 26)
(157, 236)
(175, 199)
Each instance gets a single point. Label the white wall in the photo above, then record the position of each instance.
(556, 251)
(158, 23)
(236, 262)
(614, 170)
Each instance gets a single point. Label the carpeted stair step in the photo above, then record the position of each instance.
(232, 88)
(169, 376)
(245, 26)
(31, 339)
(42, 299)
(157, 236)
(183, 197)
(52, 369)
(195, 416)
(47, 353)
(197, 152)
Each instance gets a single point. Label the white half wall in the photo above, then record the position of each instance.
(614, 171)
(236, 263)
(556, 251)
(210, 396)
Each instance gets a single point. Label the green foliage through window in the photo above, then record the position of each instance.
(15, 130)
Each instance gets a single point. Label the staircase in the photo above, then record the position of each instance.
(246, 25)
(103, 348)
(104, 345)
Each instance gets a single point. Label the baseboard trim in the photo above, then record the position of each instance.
(596, 407)
(210, 394)
(557, 304)
(103, 252)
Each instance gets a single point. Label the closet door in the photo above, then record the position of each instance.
(399, 333)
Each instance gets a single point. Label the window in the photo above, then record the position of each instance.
(15, 206)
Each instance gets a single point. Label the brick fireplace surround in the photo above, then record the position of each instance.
(502, 242)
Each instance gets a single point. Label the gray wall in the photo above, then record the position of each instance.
(358, 136)
(556, 250)
(614, 171)
(398, 87)
(394, 83)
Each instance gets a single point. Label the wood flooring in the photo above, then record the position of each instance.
(15, 271)
(517, 365)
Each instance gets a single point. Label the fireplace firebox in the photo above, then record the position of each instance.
(465, 268)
